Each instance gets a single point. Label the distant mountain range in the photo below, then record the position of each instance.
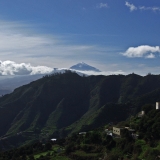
(9, 83)
(60, 104)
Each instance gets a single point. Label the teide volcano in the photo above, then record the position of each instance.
(84, 67)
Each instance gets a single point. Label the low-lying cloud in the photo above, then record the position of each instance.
(142, 51)
(12, 68)
(103, 72)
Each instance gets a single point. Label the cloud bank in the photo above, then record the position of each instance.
(103, 72)
(12, 68)
(132, 7)
(142, 51)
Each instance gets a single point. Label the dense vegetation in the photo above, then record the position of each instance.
(97, 144)
(62, 104)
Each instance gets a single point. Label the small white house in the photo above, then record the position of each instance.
(118, 131)
(141, 114)
(82, 133)
(157, 105)
(53, 139)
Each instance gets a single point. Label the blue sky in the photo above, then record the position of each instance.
(115, 36)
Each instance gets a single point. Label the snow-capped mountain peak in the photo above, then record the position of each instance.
(84, 67)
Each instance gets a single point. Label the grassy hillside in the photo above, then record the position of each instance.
(61, 104)
(97, 144)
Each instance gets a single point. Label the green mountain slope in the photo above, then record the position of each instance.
(61, 104)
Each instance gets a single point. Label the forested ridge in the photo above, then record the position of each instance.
(62, 104)
(97, 144)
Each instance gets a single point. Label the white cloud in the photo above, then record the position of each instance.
(132, 7)
(102, 5)
(150, 8)
(103, 72)
(142, 51)
(151, 55)
(12, 68)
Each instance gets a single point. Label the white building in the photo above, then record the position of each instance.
(53, 139)
(157, 105)
(82, 133)
(141, 114)
(118, 131)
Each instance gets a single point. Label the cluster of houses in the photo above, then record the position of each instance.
(119, 131)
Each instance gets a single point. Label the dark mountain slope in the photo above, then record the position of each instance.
(65, 103)
(42, 98)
